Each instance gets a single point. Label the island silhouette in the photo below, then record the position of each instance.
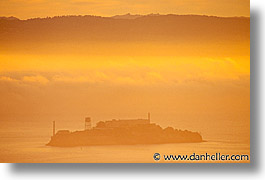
(122, 132)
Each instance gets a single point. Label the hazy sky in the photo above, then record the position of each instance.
(41, 8)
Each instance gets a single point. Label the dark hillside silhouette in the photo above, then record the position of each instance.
(169, 28)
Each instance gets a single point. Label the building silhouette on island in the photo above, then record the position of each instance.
(122, 132)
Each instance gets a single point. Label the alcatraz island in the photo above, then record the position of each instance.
(122, 132)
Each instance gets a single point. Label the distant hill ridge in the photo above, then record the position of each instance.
(132, 16)
(9, 18)
(126, 28)
(124, 16)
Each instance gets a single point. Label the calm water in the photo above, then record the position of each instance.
(25, 142)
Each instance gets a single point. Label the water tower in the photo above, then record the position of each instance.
(87, 123)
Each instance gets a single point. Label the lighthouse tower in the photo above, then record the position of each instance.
(149, 117)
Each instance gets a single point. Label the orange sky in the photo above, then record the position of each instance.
(25, 9)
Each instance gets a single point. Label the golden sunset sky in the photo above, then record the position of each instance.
(25, 9)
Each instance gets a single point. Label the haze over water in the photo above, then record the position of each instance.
(25, 142)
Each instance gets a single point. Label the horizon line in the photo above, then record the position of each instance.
(112, 16)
